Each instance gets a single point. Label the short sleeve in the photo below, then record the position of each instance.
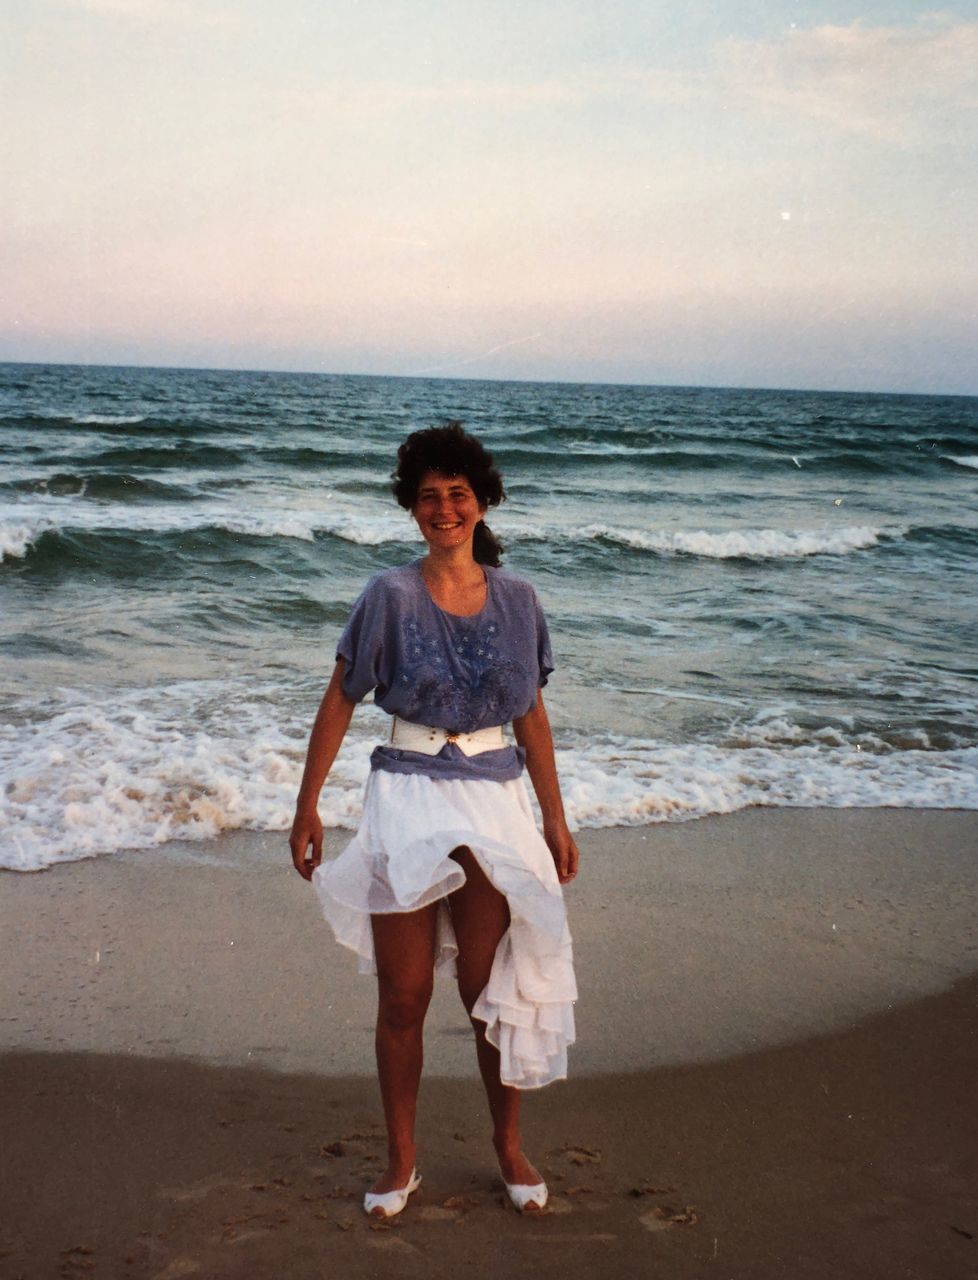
(362, 643)
(545, 656)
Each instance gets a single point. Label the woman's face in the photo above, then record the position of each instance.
(446, 510)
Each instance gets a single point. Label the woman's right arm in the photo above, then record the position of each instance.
(332, 722)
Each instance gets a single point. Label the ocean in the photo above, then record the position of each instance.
(756, 597)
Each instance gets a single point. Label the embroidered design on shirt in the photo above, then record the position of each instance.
(467, 680)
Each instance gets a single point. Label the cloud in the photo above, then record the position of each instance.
(901, 84)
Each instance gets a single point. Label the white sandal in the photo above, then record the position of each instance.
(388, 1204)
(522, 1197)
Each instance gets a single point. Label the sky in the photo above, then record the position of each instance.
(713, 193)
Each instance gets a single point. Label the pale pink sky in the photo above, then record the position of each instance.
(749, 194)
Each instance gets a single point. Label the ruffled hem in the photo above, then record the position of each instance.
(398, 861)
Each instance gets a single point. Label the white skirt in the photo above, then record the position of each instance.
(398, 860)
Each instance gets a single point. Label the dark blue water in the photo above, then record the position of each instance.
(756, 596)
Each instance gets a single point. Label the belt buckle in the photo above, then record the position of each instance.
(452, 735)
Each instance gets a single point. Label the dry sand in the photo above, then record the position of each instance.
(171, 1102)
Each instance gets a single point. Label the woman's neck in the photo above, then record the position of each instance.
(454, 565)
(458, 584)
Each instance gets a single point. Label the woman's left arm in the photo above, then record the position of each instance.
(532, 732)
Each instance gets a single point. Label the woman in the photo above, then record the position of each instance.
(447, 864)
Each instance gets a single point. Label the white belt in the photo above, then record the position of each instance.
(429, 740)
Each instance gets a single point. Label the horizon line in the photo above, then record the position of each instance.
(543, 382)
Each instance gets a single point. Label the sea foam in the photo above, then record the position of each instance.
(630, 783)
(107, 419)
(17, 537)
(354, 524)
(741, 544)
(140, 767)
(192, 759)
(22, 524)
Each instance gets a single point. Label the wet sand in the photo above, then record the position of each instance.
(773, 1077)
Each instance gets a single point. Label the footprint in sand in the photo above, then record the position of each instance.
(581, 1155)
(663, 1216)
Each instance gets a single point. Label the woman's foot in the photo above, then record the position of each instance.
(397, 1174)
(389, 1194)
(528, 1199)
(524, 1184)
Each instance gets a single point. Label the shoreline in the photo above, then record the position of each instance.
(738, 932)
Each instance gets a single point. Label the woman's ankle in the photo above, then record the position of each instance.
(513, 1162)
(517, 1169)
(401, 1163)
(402, 1153)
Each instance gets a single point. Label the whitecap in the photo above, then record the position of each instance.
(369, 531)
(17, 537)
(753, 544)
(969, 460)
(107, 419)
(28, 517)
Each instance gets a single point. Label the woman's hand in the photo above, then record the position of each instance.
(563, 847)
(532, 732)
(307, 829)
(332, 722)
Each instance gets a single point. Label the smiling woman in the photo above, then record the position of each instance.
(447, 866)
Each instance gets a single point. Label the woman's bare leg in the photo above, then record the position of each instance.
(405, 949)
(480, 915)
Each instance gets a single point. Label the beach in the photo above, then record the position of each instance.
(774, 1075)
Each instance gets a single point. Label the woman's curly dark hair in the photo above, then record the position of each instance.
(453, 452)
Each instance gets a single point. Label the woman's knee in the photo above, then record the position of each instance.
(401, 1006)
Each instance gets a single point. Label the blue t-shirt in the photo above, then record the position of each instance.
(436, 668)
